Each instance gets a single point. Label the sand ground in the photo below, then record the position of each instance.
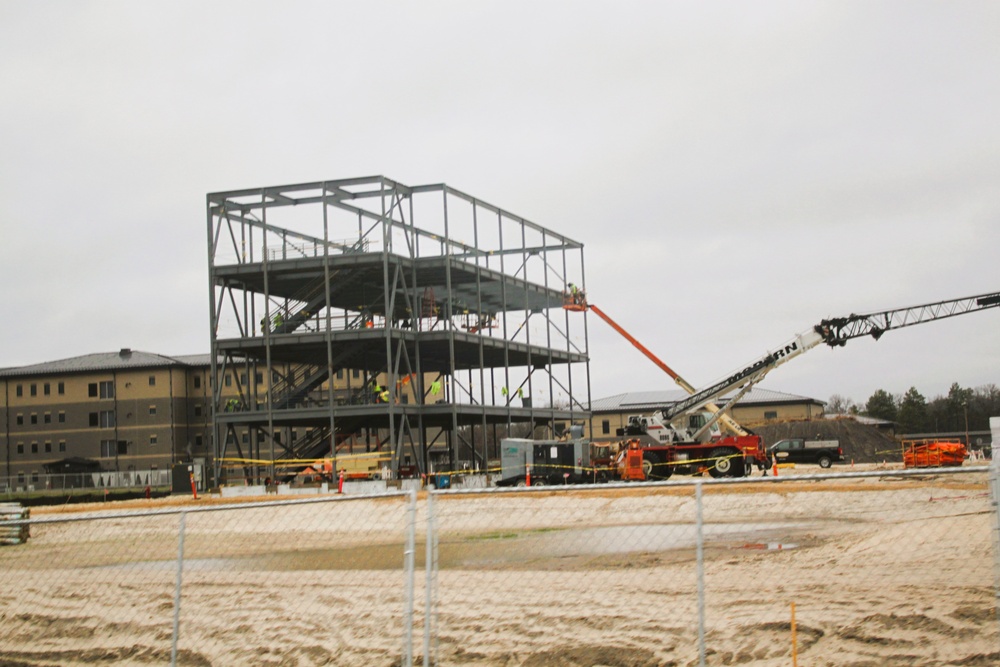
(881, 571)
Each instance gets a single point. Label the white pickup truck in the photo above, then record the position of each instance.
(799, 450)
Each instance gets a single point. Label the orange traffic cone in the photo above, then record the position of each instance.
(527, 476)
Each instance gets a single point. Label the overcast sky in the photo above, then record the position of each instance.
(737, 171)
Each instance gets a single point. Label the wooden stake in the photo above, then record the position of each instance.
(795, 647)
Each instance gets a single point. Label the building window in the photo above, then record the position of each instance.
(605, 426)
(34, 390)
(92, 390)
(229, 380)
(108, 449)
(197, 441)
(46, 389)
(340, 373)
(48, 447)
(62, 417)
(20, 448)
(152, 440)
(355, 373)
(61, 388)
(20, 390)
(197, 382)
(258, 377)
(243, 378)
(20, 420)
(103, 419)
(34, 448)
(47, 418)
(770, 414)
(34, 418)
(197, 411)
(34, 477)
(246, 438)
(152, 411)
(152, 380)
(20, 478)
(107, 389)
(62, 445)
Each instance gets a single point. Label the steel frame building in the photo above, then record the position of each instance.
(353, 296)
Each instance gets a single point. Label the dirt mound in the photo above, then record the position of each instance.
(861, 443)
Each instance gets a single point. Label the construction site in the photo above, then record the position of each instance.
(418, 322)
(425, 330)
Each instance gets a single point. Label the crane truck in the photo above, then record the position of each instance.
(733, 456)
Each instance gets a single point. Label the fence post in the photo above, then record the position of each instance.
(995, 498)
(177, 592)
(430, 567)
(409, 566)
(700, 560)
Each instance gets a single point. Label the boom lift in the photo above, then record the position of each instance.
(835, 332)
(577, 301)
(695, 449)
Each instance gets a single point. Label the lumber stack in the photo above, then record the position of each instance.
(18, 533)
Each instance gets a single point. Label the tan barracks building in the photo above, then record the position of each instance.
(128, 412)
(756, 407)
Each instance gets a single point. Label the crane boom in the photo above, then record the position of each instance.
(839, 330)
(835, 332)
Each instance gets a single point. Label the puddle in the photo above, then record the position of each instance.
(769, 546)
(159, 565)
(615, 540)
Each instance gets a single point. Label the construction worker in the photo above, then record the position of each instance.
(384, 395)
(435, 387)
(278, 320)
(377, 392)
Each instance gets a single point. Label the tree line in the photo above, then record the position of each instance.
(962, 408)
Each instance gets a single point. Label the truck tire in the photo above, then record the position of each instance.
(725, 463)
(654, 468)
(647, 467)
(825, 461)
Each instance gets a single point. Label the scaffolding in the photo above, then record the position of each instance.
(364, 314)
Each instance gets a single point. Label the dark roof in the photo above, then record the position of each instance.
(124, 359)
(651, 400)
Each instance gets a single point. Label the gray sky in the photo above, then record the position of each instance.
(738, 171)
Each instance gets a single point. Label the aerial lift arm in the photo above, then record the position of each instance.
(835, 332)
(579, 303)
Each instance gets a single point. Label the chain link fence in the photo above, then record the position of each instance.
(873, 568)
(865, 568)
(307, 582)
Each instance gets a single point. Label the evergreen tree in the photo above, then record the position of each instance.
(957, 406)
(881, 405)
(912, 415)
